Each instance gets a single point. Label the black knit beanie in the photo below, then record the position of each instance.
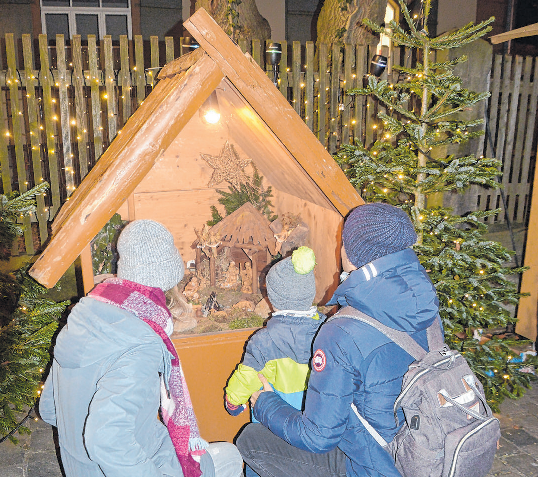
(374, 230)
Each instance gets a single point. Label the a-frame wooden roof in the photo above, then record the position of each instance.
(245, 226)
(266, 127)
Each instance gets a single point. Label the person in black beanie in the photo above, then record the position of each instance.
(352, 363)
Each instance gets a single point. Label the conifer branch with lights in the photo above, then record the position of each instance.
(27, 323)
(405, 167)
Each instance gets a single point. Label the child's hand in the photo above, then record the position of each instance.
(266, 387)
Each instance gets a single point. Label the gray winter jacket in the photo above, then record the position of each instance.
(103, 394)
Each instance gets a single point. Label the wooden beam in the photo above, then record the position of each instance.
(125, 171)
(274, 109)
(181, 64)
(529, 30)
(528, 306)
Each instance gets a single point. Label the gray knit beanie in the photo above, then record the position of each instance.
(290, 283)
(148, 255)
(374, 230)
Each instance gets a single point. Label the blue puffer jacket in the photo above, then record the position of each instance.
(103, 394)
(354, 363)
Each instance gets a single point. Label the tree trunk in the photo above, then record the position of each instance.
(341, 22)
(249, 23)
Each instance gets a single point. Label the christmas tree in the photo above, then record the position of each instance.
(28, 322)
(406, 167)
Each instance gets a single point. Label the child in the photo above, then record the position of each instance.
(282, 350)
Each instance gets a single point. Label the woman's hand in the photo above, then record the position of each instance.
(266, 387)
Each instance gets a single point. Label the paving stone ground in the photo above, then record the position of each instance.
(36, 454)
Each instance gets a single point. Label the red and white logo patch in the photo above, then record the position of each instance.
(319, 360)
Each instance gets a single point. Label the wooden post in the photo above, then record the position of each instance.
(17, 120)
(528, 306)
(212, 271)
(47, 81)
(254, 270)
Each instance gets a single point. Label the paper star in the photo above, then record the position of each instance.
(228, 166)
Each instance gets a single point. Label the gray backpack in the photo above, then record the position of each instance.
(449, 429)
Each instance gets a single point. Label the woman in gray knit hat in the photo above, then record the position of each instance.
(115, 368)
(352, 362)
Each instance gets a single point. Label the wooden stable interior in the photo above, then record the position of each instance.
(154, 170)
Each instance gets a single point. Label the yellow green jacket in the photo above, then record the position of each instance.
(281, 351)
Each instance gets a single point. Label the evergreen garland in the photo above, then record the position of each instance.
(28, 323)
(250, 191)
(467, 270)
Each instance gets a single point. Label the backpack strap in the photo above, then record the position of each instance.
(436, 340)
(402, 339)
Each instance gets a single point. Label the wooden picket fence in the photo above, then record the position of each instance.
(511, 137)
(62, 105)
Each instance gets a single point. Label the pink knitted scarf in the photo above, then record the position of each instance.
(149, 304)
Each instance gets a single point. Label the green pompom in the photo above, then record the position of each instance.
(303, 260)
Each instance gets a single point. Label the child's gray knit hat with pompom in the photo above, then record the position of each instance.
(148, 255)
(290, 283)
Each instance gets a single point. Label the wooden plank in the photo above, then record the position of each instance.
(47, 81)
(519, 140)
(527, 310)
(527, 150)
(501, 131)
(110, 88)
(181, 64)
(207, 361)
(494, 102)
(529, 30)
(139, 68)
(256, 51)
(322, 98)
(243, 45)
(97, 126)
(154, 60)
(284, 80)
(169, 48)
(297, 77)
(508, 160)
(112, 187)
(512, 117)
(125, 79)
(273, 108)
(18, 132)
(309, 85)
(80, 106)
(65, 120)
(360, 101)
(346, 99)
(4, 143)
(35, 134)
(334, 97)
